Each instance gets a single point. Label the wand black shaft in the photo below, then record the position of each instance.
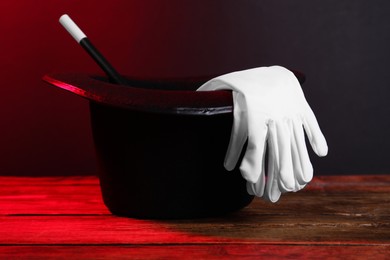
(82, 39)
(112, 74)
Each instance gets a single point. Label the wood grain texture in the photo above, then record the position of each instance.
(334, 216)
(198, 252)
(51, 196)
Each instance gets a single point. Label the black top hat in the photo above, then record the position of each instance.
(160, 146)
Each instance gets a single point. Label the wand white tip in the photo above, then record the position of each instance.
(72, 28)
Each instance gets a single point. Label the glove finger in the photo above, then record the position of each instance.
(257, 188)
(305, 174)
(313, 131)
(239, 132)
(250, 188)
(272, 191)
(286, 172)
(252, 164)
(297, 167)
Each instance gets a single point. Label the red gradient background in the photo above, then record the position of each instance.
(45, 130)
(341, 45)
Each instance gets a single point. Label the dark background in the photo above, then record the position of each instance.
(341, 45)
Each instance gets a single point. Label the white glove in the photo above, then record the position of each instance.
(270, 110)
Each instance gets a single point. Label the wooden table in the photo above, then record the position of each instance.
(334, 217)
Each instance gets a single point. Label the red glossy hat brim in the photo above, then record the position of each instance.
(172, 96)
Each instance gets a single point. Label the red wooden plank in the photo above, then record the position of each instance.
(81, 195)
(255, 229)
(344, 183)
(332, 180)
(196, 252)
(92, 230)
(41, 181)
(58, 198)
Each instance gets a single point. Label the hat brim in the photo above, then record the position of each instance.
(172, 96)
